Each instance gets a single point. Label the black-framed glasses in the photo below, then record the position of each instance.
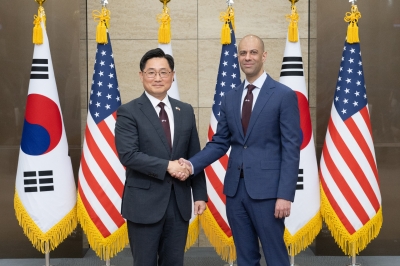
(152, 73)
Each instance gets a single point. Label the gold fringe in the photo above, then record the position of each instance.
(293, 18)
(193, 233)
(37, 29)
(304, 237)
(223, 245)
(103, 17)
(227, 17)
(352, 30)
(54, 236)
(164, 32)
(355, 243)
(105, 248)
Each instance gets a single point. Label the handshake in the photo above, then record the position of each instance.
(180, 169)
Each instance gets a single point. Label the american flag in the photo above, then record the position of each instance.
(101, 175)
(351, 199)
(228, 79)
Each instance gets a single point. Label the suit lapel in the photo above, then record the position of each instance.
(237, 102)
(265, 94)
(177, 120)
(151, 114)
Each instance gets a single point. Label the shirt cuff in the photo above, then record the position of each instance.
(192, 167)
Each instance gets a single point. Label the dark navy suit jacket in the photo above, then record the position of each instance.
(143, 149)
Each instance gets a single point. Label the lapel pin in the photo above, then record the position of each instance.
(177, 108)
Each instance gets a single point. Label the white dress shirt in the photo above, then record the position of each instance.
(168, 108)
(258, 83)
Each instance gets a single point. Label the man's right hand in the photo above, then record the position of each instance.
(183, 161)
(178, 170)
(188, 165)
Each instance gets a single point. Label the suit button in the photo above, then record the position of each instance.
(245, 146)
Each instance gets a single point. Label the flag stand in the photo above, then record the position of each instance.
(230, 264)
(108, 260)
(108, 263)
(353, 258)
(292, 256)
(292, 261)
(47, 254)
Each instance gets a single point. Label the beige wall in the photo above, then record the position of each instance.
(196, 45)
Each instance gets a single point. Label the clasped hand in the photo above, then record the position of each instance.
(181, 169)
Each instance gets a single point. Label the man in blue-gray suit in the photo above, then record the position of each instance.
(260, 121)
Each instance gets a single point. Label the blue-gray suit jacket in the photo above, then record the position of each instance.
(269, 153)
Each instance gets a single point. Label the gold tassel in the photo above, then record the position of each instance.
(352, 33)
(352, 30)
(225, 34)
(226, 17)
(164, 32)
(37, 29)
(103, 17)
(101, 33)
(293, 33)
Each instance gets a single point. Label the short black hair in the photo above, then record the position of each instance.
(156, 53)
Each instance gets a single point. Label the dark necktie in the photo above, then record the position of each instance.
(165, 123)
(247, 106)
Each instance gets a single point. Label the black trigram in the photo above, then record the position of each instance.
(300, 180)
(40, 69)
(42, 182)
(292, 66)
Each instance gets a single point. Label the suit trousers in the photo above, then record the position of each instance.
(164, 240)
(253, 220)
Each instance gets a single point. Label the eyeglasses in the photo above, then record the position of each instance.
(152, 74)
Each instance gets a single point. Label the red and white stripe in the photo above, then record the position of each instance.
(215, 175)
(101, 176)
(349, 174)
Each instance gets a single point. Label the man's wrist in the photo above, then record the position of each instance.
(192, 167)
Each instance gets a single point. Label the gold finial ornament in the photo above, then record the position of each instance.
(352, 30)
(37, 21)
(227, 17)
(103, 19)
(40, 2)
(164, 19)
(293, 18)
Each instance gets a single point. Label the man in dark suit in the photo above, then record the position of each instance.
(260, 121)
(152, 131)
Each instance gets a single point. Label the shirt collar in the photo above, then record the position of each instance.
(258, 82)
(154, 101)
